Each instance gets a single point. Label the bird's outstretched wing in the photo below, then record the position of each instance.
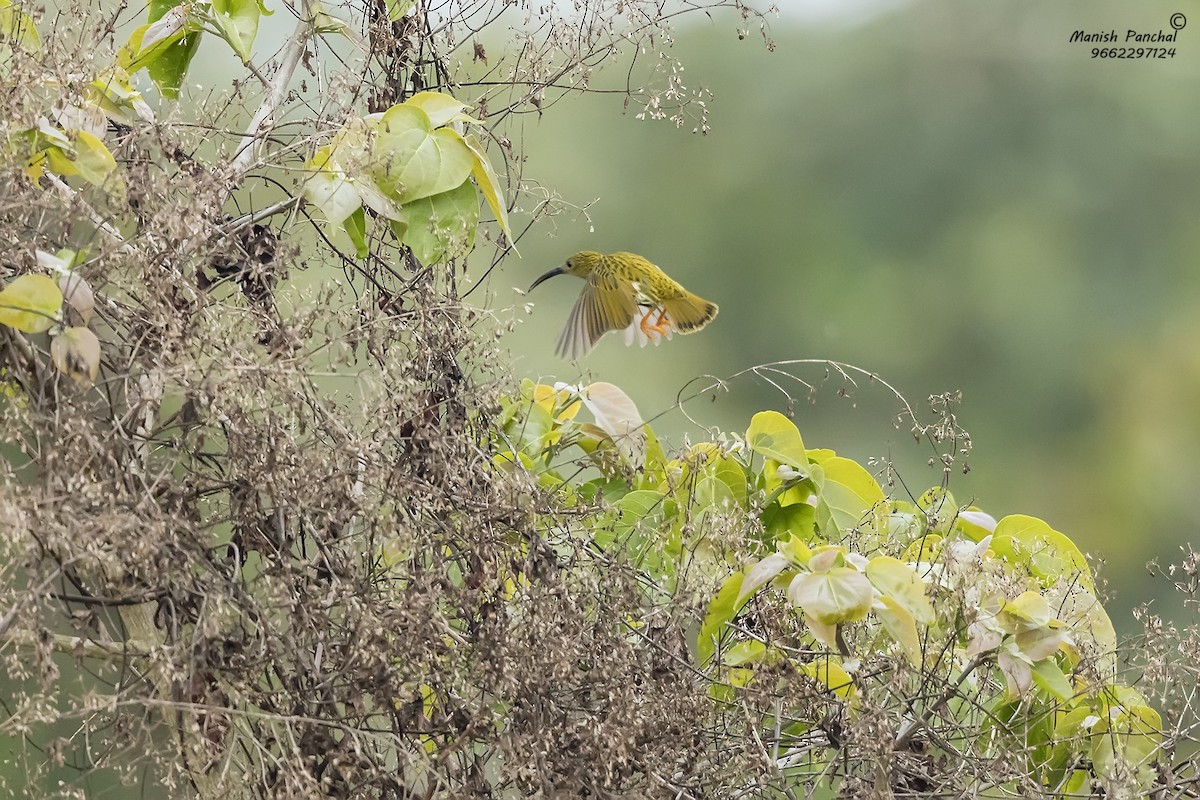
(605, 304)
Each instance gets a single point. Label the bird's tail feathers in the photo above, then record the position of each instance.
(690, 312)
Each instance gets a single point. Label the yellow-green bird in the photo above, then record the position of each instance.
(625, 291)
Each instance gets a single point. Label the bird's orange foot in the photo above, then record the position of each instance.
(645, 326)
(662, 324)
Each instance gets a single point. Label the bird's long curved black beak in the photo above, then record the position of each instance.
(550, 274)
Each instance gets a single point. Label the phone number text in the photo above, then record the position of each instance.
(1133, 52)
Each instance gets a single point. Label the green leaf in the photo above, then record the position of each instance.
(508, 460)
(96, 165)
(723, 609)
(777, 476)
(562, 405)
(442, 226)
(1041, 643)
(926, 549)
(1048, 676)
(717, 481)
(48, 134)
(325, 23)
(796, 549)
(533, 430)
(975, 524)
(903, 527)
(399, 229)
(732, 477)
(1091, 628)
(636, 507)
(794, 520)
(238, 22)
(819, 455)
(412, 160)
(656, 458)
(939, 509)
(398, 8)
(762, 573)
(744, 653)
(901, 626)
(849, 493)
(156, 38)
(16, 26)
(165, 46)
(31, 303)
(1026, 611)
(130, 56)
(351, 147)
(897, 580)
(158, 8)
(42, 148)
(60, 161)
(112, 91)
(374, 199)
(1050, 555)
(355, 226)
(1078, 785)
(169, 67)
(735, 678)
(833, 596)
(710, 493)
(773, 435)
(489, 183)
(440, 107)
(830, 674)
(1070, 736)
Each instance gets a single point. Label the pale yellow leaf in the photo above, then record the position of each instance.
(76, 353)
(31, 303)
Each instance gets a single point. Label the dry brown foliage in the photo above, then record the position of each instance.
(266, 554)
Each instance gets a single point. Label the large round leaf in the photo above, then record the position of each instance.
(849, 494)
(412, 160)
(841, 594)
(442, 226)
(617, 416)
(1049, 554)
(773, 435)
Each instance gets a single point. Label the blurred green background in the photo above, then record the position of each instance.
(946, 193)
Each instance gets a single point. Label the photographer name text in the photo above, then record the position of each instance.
(1130, 36)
